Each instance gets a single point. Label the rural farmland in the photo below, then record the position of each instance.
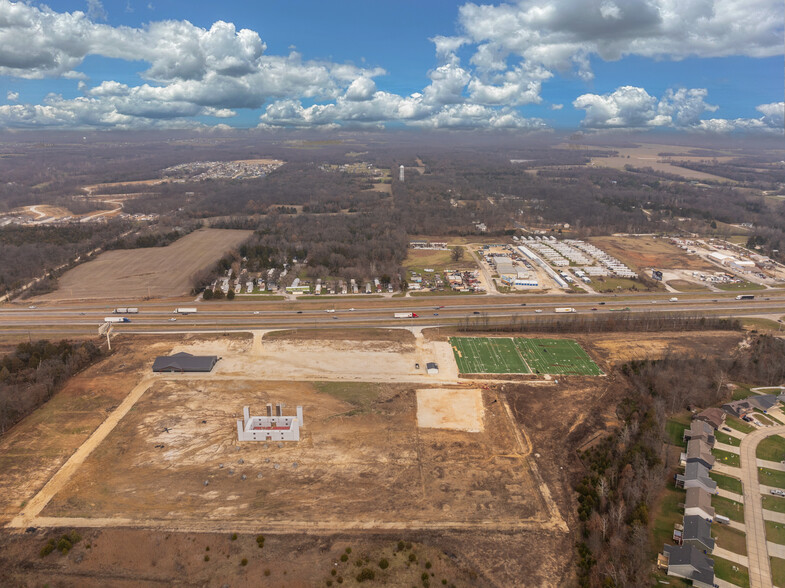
(153, 271)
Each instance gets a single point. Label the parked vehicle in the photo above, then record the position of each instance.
(777, 492)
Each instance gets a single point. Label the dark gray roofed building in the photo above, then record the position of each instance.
(685, 561)
(697, 532)
(184, 362)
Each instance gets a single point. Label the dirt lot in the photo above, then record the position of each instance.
(154, 271)
(615, 348)
(456, 409)
(645, 252)
(469, 501)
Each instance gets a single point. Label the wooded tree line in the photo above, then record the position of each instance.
(592, 323)
(627, 471)
(27, 251)
(34, 371)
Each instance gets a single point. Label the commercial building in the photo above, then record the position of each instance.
(184, 362)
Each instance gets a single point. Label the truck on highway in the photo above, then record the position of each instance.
(405, 315)
(117, 319)
(564, 309)
(745, 297)
(126, 311)
(184, 311)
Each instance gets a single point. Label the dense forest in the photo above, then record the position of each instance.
(627, 470)
(34, 371)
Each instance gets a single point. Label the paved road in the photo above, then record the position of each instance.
(757, 551)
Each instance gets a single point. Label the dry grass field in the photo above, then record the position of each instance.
(647, 155)
(154, 271)
(644, 252)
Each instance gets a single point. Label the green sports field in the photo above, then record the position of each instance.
(505, 355)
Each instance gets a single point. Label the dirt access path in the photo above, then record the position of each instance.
(56, 483)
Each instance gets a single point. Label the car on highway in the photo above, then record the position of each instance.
(594, 308)
(602, 304)
(299, 312)
(476, 312)
(256, 312)
(435, 314)
(330, 310)
(538, 310)
(335, 317)
(777, 492)
(351, 310)
(172, 320)
(32, 307)
(524, 304)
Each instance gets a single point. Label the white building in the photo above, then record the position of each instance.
(275, 427)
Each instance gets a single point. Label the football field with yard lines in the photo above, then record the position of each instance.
(506, 355)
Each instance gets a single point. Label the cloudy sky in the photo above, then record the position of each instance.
(711, 66)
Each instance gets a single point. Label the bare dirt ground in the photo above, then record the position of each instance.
(366, 475)
(154, 271)
(455, 409)
(645, 252)
(615, 348)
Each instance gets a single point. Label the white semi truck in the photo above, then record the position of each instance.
(184, 311)
(564, 309)
(405, 315)
(126, 311)
(117, 319)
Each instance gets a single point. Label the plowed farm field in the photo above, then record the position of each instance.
(152, 271)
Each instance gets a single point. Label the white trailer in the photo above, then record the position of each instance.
(184, 311)
(117, 319)
(564, 309)
(126, 311)
(405, 315)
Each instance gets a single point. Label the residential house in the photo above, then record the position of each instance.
(697, 532)
(700, 430)
(696, 475)
(685, 561)
(700, 452)
(712, 416)
(698, 503)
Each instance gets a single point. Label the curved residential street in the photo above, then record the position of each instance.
(757, 552)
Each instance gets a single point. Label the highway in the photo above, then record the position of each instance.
(358, 311)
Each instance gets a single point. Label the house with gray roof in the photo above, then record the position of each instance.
(697, 532)
(700, 430)
(184, 362)
(698, 502)
(700, 452)
(696, 475)
(685, 561)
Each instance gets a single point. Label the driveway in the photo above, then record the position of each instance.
(757, 552)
